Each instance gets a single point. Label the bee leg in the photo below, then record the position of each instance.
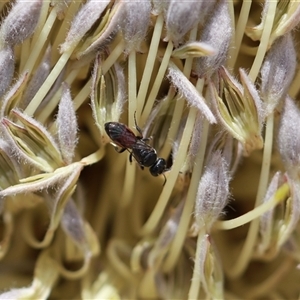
(120, 150)
(165, 179)
(147, 139)
(138, 128)
(130, 159)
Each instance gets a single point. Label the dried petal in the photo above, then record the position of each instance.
(136, 23)
(119, 91)
(98, 95)
(108, 30)
(278, 225)
(267, 227)
(278, 71)
(189, 92)
(101, 288)
(207, 271)
(10, 99)
(57, 186)
(213, 191)
(194, 145)
(61, 7)
(67, 125)
(255, 32)
(21, 21)
(33, 143)
(37, 183)
(251, 94)
(63, 192)
(287, 17)
(217, 33)
(211, 270)
(239, 109)
(16, 294)
(107, 96)
(291, 214)
(224, 142)
(165, 238)
(73, 223)
(10, 170)
(46, 274)
(193, 49)
(83, 21)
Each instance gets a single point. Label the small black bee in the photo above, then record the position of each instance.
(143, 153)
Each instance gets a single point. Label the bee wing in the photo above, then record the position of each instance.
(121, 135)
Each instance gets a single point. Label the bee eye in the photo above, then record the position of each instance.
(159, 167)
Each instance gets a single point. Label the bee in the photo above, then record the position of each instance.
(137, 146)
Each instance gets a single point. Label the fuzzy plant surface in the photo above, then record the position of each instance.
(149, 149)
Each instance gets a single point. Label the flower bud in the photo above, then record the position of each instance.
(136, 23)
(66, 125)
(21, 21)
(289, 139)
(213, 191)
(189, 92)
(7, 63)
(83, 21)
(217, 33)
(181, 17)
(278, 71)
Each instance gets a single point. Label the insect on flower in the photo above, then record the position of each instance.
(143, 153)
